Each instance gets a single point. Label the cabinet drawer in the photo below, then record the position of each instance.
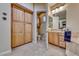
(61, 38)
(62, 44)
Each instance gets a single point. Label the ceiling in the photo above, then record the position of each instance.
(51, 4)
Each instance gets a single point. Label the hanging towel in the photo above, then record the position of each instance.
(67, 36)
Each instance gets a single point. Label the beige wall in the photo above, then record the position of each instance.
(73, 17)
(73, 24)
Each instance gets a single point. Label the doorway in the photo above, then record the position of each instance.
(41, 28)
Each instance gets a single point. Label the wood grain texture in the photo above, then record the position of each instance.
(28, 18)
(21, 29)
(53, 38)
(56, 39)
(18, 27)
(18, 39)
(28, 27)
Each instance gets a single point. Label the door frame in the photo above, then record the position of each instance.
(25, 10)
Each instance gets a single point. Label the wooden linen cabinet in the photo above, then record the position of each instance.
(21, 25)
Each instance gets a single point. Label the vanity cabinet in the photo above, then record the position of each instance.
(57, 39)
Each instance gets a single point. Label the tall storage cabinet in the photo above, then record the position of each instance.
(21, 26)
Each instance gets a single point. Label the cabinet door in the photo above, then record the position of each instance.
(28, 37)
(55, 38)
(18, 27)
(21, 16)
(50, 38)
(18, 14)
(62, 43)
(28, 33)
(28, 28)
(14, 13)
(28, 18)
(18, 39)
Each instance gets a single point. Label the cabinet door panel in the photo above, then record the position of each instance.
(21, 38)
(28, 18)
(18, 39)
(55, 38)
(14, 14)
(50, 38)
(21, 16)
(28, 37)
(28, 27)
(18, 14)
(18, 27)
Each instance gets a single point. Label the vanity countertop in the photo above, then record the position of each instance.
(56, 30)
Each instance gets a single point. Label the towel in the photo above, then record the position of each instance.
(67, 36)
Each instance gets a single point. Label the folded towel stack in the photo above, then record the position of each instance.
(67, 36)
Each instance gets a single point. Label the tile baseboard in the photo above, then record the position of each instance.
(5, 52)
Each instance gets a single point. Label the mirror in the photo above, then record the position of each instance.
(61, 19)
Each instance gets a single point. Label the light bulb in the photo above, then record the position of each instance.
(61, 8)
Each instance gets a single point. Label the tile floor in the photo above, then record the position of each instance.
(37, 50)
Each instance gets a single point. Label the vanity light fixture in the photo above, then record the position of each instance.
(61, 8)
(53, 11)
(58, 9)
